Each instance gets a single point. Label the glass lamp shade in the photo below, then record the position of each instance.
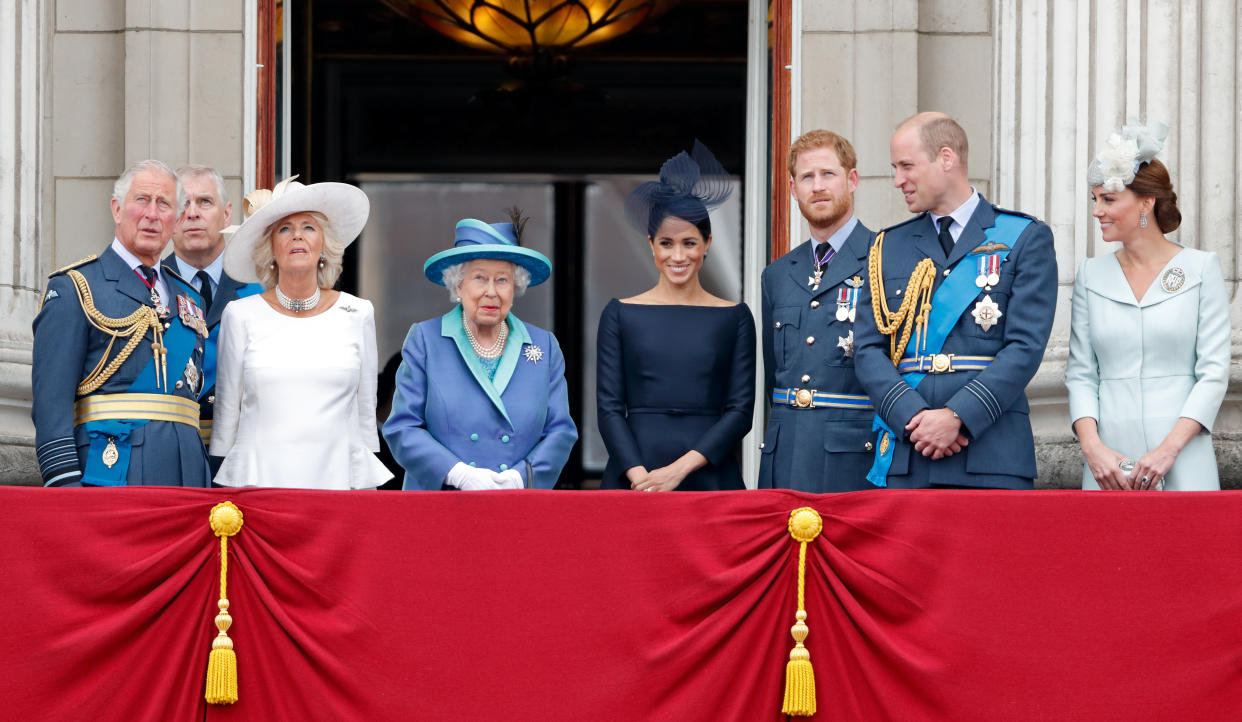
(527, 27)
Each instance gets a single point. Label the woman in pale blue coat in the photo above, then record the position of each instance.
(1149, 346)
(481, 401)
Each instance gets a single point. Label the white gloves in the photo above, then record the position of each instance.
(470, 478)
(510, 479)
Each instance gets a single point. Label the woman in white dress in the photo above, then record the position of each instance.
(296, 380)
(1149, 346)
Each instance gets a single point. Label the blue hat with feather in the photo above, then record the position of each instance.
(498, 241)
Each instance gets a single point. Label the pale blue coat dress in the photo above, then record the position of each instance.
(1136, 367)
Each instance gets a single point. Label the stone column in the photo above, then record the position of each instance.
(1068, 73)
(21, 57)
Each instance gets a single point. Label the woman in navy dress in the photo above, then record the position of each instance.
(676, 367)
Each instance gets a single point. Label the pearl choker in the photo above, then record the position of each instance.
(297, 305)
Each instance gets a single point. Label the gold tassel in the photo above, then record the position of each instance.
(804, 525)
(226, 520)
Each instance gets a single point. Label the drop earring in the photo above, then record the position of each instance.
(321, 263)
(1142, 220)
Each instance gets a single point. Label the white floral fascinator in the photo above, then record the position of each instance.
(1126, 150)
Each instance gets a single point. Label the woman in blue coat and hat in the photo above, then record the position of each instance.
(481, 401)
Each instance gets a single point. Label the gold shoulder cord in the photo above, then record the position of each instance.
(133, 327)
(918, 292)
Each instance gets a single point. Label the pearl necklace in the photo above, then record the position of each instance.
(497, 347)
(297, 305)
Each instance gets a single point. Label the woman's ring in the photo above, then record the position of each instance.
(1145, 480)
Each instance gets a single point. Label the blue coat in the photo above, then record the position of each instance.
(814, 449)
(991, 402)
(67, 347)
(446, 410)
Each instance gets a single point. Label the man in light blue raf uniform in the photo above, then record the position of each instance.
(819, 434)
(958, 310)
(118, 353)
(198, 248)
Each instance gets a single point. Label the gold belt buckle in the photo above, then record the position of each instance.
(803, 398)
(942, 363)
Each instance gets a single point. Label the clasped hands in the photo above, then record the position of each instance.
(936, 433)
(472, 478)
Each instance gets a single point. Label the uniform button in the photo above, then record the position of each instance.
(166, 326)
(474, 437)
(211, 399)
(179, 384)
(868, 446)
(810, 340)
(504, 439)
(473, 464)
(806, 378)
(778, 324)
(946, 273)
(761, 444)
(814, 304)
(503, 467)
(899, 292)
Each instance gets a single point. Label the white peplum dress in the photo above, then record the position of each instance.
(295, 397)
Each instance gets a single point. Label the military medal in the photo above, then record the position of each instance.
(110, 453)
(855, 284)
(533, 353)
(192, 376)
(813, 280)
(846, 343)
(1173, 279)
(843, 304)
(989, 271)
(191, 315)
(986, 313)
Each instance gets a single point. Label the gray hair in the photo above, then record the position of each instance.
(198, 171)
(456, 273)
(122, 186)
(331, 255)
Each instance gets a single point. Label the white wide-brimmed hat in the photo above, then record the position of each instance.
(346, 208)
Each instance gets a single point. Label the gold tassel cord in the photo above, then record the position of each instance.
(918, 295)
(133, 328)
(226, 521)
(805, 524)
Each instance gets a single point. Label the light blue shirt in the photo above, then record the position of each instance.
(213, 269)
(837, 239)
(960, 216)
(132, 261)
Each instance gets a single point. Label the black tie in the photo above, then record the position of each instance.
(204, 289)
(821, 250)
(149, 274)
(946, 238)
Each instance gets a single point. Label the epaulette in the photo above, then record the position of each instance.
(1015, 213)
(908, 221)
(75, 264)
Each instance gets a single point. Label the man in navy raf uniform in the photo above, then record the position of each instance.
(959, 306)
(819, 434)
(198, 256)
(118, 353)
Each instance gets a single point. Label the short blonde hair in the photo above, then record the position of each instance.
(332, 254)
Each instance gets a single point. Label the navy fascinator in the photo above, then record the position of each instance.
(689, 185)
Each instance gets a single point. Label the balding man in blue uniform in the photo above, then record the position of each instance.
(118, 353)
(819, 436)
(959, 306)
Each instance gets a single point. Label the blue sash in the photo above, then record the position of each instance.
(180, 342)
(948, 304)
(209, 349)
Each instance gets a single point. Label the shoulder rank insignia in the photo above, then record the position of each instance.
(75, 264)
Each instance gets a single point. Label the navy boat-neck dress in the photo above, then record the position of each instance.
(671, 379)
